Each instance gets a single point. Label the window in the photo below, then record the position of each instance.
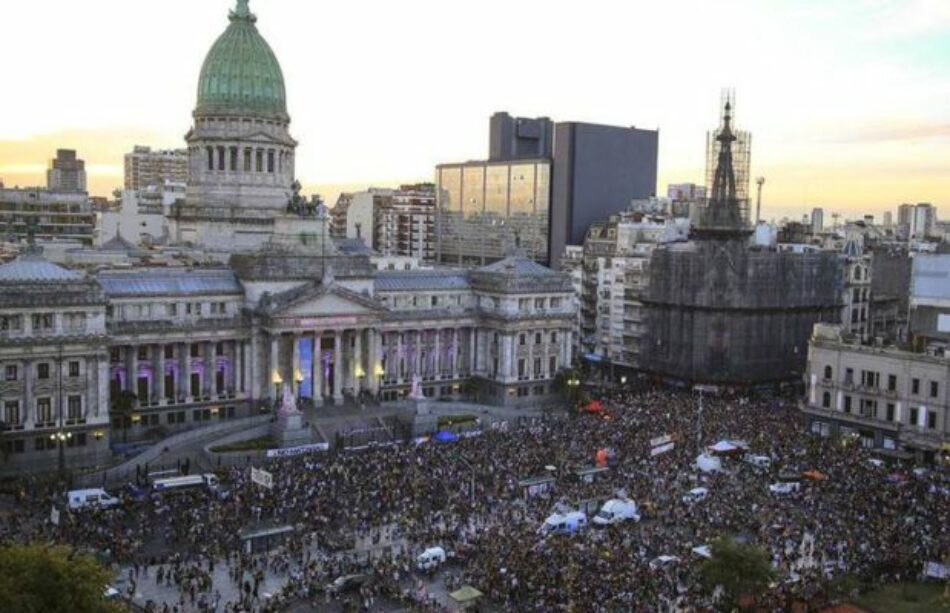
(11, 323)
(11, 413)
(270, 160)
(42, 370)
(195, 385)
(537, 367)
(891, 382)
(74, 407)
(169, 352)
(234, 159)
(44, 410)
(555, 303)
(42, 322)
(539, 303)
(171, 310)
(932, 420)
(828, 372)
(259, 160)
(890, 411)
(195, 350)
(826, 400)
(115, 354)
(554, 337)
(552, 365)
(537, 338)
(143, 352)
(521, 369)
(522, 339)
(524, 304)
(73, 368)
(915, 386)
(435, 301)
(210, 158)
(11, 372)
(247, 163)
(849, 375)
(914, 415)
(847, 404)
(934, 389)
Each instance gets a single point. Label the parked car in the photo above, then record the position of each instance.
(347, 583)
(785, 487)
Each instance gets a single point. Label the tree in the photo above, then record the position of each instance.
(39, 578)
(123, 405)
(743, 571)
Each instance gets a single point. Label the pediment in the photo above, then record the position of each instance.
(333, 301)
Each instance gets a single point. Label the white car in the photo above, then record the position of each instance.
(433, 557)
(786, 487)
(615, 511)
(695, 495)
(663, 562)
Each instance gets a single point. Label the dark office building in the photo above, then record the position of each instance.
(597, 171)
(520, 138)
(723, 311)
(542, 186)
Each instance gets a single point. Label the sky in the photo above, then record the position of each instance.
(848, 101)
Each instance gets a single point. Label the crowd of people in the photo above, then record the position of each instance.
(466, 496)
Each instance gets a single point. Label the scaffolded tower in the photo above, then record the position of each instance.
(741, 147)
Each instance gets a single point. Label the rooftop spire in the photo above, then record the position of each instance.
(242, 12)
(722, 215)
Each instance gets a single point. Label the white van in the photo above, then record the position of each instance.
(759, 461)
(172, 484)
(91, 498)
(615, 511)
(695, 495)
(433, 557)
(568, 523)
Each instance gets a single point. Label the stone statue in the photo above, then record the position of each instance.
(416, 391)
(288, 403)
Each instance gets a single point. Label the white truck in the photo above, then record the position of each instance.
(174, 484)
(90, 498)
(695, 495)
(566, 523)
(431, 558)
(615, 511)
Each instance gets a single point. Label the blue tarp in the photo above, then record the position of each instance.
(446, 437)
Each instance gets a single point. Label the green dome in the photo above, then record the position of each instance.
(241, 74)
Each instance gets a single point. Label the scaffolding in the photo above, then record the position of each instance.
(741, 156)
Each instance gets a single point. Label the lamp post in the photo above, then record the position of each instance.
(379, 372)
(60, 438)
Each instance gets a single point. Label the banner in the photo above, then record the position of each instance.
(262, 477)
(661, 449)
(660, 440)
(936, 570)
(287, 452)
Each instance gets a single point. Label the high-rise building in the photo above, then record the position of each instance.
(543, 203)
(817, 220)
(597, 171)
(394, 222)
(917, 221)
(520, 138)
(66, 173)
(485, 208)
(685, 191)
(146, 168)
(888, 219)
(48, 215)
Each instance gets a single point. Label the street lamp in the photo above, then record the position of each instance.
(60, 438)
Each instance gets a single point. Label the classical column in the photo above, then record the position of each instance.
(529, 366)
(237, 366)
(374, 361)
(472, 351)
(132, 370)
(358, 362)
(26, 411)
(158, 373)
(208, 370)
(437, 362)
(295, 365)
(184, 370)
(400, 358)
(418, 357)
(252, 370)
(273, 370)
(338, 369)
(316, 370)
(456, 352)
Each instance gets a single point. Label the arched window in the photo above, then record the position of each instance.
(826, 400)
(210, 158)
(828, 372)
(857, 273)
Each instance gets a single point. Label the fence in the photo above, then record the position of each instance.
(124, 471)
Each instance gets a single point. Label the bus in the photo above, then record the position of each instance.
(189, 482)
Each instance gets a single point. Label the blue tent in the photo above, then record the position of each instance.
(446, 437)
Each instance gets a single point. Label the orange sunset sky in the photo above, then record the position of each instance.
(848, 100)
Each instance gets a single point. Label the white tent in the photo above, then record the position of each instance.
(723, 447)
(708, 463)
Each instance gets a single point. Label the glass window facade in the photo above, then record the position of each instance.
(484, 208)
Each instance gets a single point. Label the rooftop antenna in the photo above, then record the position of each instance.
(758, 202)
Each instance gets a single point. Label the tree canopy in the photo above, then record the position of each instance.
(743, 570)
(40, 578)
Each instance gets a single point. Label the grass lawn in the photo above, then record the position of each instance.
(905, 598)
